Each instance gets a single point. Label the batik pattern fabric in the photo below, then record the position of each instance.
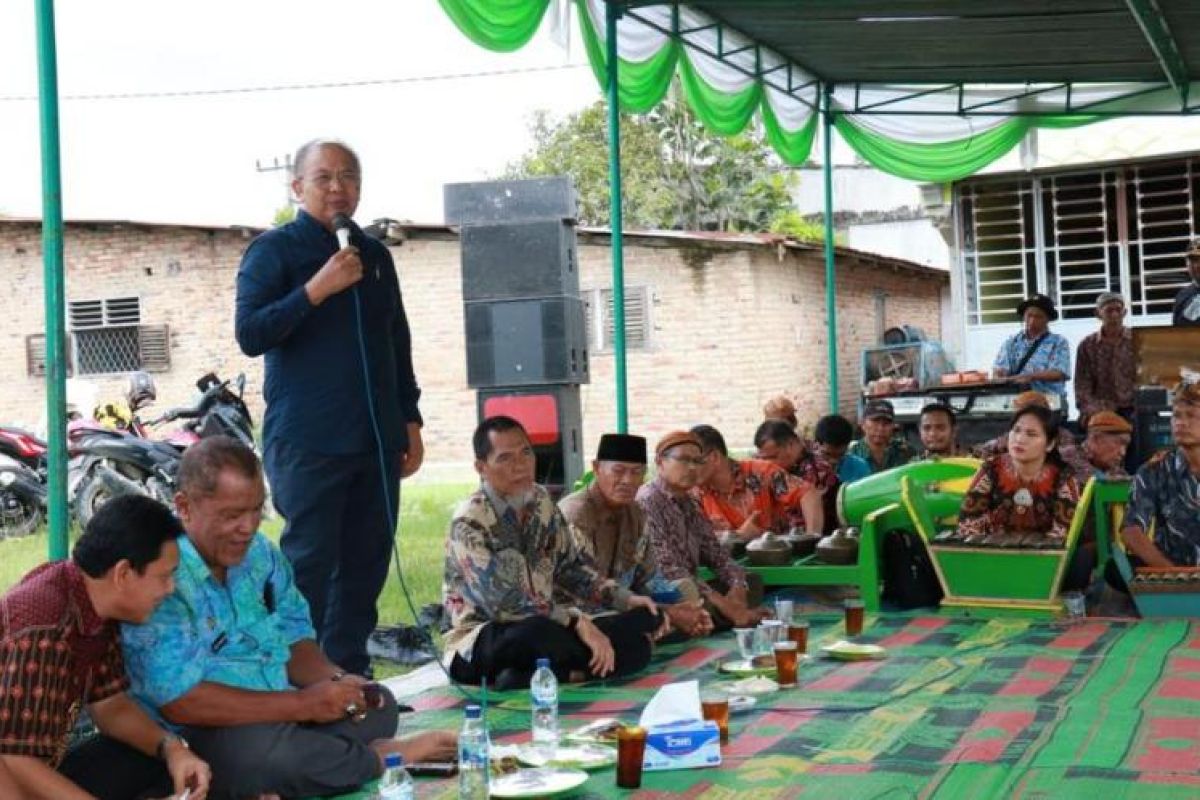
(238, 632)
(760, 486)
(1166, 495)
(1067, 446)
(1105, 373)
(682, 538)
(505, 564)
(615, 540)
(1053, 353)
(56, 656)
(1000, 507)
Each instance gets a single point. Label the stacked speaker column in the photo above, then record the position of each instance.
(526, 340)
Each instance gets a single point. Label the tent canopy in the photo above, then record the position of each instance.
(971, 41)
(929, 90)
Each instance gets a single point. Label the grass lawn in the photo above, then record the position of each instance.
(425, 514)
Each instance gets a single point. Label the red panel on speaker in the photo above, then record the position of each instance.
(537, 412)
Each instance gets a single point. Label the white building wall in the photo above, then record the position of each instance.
(911, 239)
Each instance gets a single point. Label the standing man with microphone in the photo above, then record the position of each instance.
(322, 302)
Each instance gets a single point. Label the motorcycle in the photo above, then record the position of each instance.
(21, 445)
(22, 498)
(218, 411)
(108, 462)
(22, 482)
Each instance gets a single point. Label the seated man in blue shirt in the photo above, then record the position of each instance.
(230, 660)
(833, 435)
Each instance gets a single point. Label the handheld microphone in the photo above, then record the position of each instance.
(341, 229)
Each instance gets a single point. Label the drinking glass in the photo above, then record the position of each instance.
(631, 750)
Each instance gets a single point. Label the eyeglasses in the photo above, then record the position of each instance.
(323, 180)
(689, 461)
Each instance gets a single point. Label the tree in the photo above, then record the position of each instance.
(283, 215)
(675, 174)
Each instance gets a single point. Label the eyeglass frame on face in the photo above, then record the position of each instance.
(324, 180)
(694, 463)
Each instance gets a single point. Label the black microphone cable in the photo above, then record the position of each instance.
(393, 513)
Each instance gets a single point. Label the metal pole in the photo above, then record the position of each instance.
(52, 248)
(830, 285)
(612, 14)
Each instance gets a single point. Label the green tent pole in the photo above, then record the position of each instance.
(830, 285)
(52, 259)
(613, 13)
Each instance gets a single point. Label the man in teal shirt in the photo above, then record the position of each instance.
(880, 447)
(230, 660)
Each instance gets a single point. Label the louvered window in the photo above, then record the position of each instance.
(35, 356)
(107, 336)
(1073, 235)
(637, 318)
(999, 248)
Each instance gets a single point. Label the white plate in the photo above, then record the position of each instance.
(571, 756)
(757, 684)
(742, 666)
(592, 732)
(741, 702)
(852, 651)
(542, 782)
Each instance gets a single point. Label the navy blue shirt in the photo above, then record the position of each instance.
(315, 385)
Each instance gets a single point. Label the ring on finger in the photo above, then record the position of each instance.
(352, 710)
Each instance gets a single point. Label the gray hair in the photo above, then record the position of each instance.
(308, 147)
(202, 464)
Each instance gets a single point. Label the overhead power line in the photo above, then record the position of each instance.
(300, 87)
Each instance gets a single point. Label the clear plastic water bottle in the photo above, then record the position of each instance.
(396, 783)
(544, 689)
(473, 752)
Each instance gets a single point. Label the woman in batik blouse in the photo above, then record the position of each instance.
(1025, 497)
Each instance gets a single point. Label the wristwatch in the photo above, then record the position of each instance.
(161, 750)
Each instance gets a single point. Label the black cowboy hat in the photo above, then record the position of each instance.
(1038, 301)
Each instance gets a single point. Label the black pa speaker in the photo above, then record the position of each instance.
(509, 201)
(519, 260)
(522, 342)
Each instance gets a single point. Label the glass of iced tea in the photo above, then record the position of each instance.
(798, 633)
(854, 617)
(715, 706)
(631, 750)
(785, 663)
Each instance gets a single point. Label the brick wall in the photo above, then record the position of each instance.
(183, 276)
(733, 324)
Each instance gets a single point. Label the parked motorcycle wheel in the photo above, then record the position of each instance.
(19, 516)
(92, 494)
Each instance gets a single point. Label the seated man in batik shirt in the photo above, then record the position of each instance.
(749, 497)
(1166, 494)
(684, 541)
(611, 529)
(509, 555)
(778, 442)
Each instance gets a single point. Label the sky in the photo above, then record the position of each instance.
(193, 158)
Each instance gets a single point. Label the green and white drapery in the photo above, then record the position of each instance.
(934, 134)
(927, 133)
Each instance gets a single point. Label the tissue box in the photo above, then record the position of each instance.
(682, 745)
